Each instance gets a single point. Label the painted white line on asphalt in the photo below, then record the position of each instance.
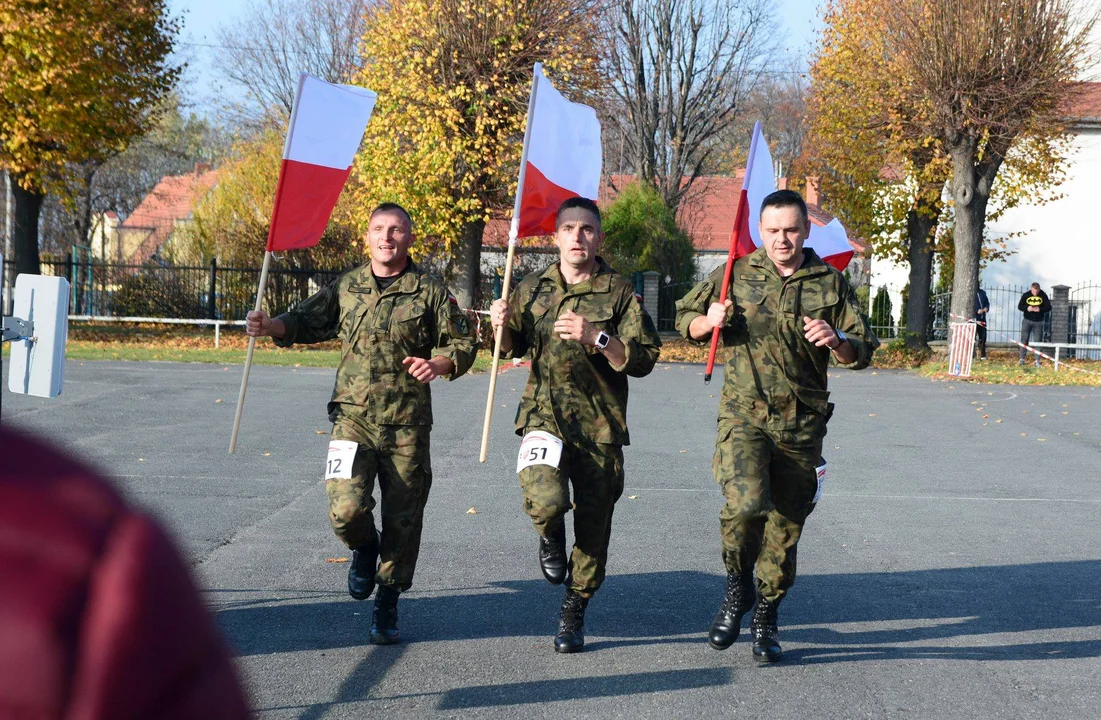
(963, 497)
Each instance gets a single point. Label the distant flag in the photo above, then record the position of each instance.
(327, 124)
(830, 241)
(562, 159)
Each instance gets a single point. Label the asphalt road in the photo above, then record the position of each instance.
(953, 568)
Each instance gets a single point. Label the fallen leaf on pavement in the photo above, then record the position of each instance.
(218, 400)
(336, 560)
(472, 511)
(632, 497)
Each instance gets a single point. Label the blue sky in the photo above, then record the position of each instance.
(202, 19)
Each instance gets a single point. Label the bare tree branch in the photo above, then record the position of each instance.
(680, 71)
(264, 52)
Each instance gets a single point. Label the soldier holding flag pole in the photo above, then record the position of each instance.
(400, 329)
(787, 314)
(586, 332)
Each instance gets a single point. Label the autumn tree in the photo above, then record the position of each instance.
(79, 79)
(453, 79)
(680, 71)
(885, 166)
(985, 75)
(885, 181)
(264, 51)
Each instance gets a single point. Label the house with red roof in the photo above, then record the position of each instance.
(145, 234)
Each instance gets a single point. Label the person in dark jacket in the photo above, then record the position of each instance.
(982, 313)
(99, 618)
(1035, 306)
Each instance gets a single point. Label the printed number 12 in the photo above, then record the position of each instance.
(334, 466)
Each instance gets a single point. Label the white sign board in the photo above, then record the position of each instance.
(37, 366)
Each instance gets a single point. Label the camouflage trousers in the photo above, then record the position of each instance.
(596, 472)
(769, 479)
(399, 456)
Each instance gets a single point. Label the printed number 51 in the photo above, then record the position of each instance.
(533, 454)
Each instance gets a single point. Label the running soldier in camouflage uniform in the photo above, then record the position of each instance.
(400, 329)
(585, 331)
(786, 313)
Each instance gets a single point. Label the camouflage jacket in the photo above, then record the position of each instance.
(774, 367)
(414, 317)
(573, 391)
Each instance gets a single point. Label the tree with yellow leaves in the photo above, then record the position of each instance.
(875, 140)
(453, 79)
(78, 80)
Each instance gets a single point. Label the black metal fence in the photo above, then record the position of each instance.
(174, 291)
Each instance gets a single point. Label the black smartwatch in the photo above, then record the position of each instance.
(602, 340)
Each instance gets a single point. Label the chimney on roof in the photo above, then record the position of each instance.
(782, 184)
(811, 193)
(201, 167)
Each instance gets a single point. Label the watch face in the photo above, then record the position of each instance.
(602, 340)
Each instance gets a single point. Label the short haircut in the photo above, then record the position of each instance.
(787, 198)
(577, 202)
(1036, 285)
(389, 207)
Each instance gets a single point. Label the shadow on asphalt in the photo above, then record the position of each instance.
(654, 608)
(676, 607)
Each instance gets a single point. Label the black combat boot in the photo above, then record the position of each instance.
(552, 555)
(766, 646)
(571, 631)
(736, 603)
(361, 571)
(384, 629)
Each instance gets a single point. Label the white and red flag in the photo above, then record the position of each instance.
(561, 158)
(327, 124)
(830, 241)
(326, 127)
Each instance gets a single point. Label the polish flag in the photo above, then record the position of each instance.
(830, 241)
(327, 124)
(561, 158)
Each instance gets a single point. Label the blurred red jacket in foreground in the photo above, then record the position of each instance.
(99, 617)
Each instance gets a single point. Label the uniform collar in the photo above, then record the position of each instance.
(599, 282)
(812, 264)
(408, 283)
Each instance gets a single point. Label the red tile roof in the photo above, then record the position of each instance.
(166, 204)
(707, 214)
(1086, 104)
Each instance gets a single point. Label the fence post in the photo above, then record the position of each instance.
(651, 284)
(70, 272)
(1060, 313)
(211, 306)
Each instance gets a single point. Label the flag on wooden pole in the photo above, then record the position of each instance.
(326, 127)
(561, 159)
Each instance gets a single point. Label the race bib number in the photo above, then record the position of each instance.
(821, 471)
(539, 448)
(338, 466)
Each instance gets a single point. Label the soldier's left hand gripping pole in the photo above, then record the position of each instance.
(513, 235)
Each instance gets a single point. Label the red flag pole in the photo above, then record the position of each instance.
(735, 238)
